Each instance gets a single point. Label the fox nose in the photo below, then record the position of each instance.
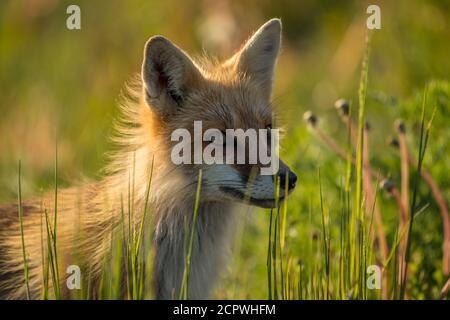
(292, 179)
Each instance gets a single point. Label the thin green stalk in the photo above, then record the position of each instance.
(326, 249)
(55, 221)
(424, 133)
(187, 268)
(357, 215)
(127, 253)
(45, 269)
(141, 228)
(137, 274)
(50, 255)
(24, 254)
(276, 236)
(274, 255)
(269, 258)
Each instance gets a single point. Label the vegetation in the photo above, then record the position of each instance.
(360, 200)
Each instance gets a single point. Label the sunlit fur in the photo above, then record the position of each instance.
(226, 96)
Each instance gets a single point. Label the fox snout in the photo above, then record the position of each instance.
(287, 178)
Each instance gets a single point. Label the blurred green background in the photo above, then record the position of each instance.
(66, 83)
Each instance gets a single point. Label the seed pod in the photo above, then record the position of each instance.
(342, 107)
(310, 118)
(387, 185)
(400, 126)
(393, 142)
(316, 235)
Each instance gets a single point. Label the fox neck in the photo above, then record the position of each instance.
(211, 239)
(171, 202)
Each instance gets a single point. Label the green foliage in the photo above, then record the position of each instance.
(57, 82)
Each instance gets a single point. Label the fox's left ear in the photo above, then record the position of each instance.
(258, 56)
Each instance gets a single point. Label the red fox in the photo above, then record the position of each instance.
(173, 91)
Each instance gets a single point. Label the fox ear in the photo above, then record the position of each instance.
(168, 75)
(258, 56)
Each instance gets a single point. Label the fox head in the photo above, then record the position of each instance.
(234, 94)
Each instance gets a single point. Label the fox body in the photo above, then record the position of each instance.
(172, 92)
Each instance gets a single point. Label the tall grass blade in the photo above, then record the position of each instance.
(424, 133)
(24, 254)
(184, 292)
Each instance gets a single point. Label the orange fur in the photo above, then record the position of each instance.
(173, 93)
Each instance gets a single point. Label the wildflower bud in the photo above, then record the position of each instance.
(387, 185)
(310, 118)
(393, 142)
(400, 126)
(367, 126)
(300, 262)
(342, 107)
(315, 236)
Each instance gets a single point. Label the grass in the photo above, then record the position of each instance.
(184, 291)
(24, 253)
(326, 277)
(424, 134)
(347, 278)
(50, 260)
(321, 240)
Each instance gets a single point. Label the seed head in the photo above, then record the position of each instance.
(316, 235)
(342, 107)
(387, 185)
(400, 126)
(393, 142)
(310, 118)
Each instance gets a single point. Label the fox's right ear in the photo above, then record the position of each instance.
(168, 75)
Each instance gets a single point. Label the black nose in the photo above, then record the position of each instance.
(292, 179)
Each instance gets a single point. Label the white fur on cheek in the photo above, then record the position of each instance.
(216, 176)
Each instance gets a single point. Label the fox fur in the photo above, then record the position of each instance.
(172, 91)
